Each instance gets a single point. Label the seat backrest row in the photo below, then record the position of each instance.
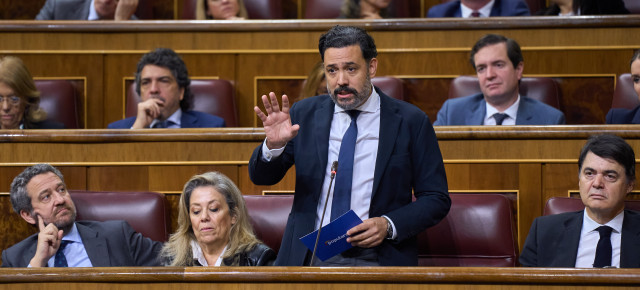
(478, 231)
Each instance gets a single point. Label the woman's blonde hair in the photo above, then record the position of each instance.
(201, 10)
(15, 74)
(177, 251)
(315, 78)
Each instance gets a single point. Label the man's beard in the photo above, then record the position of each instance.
(358, 97)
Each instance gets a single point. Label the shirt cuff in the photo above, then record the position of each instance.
(268, 154)
(393, 227)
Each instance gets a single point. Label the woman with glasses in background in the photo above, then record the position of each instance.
(19, 98)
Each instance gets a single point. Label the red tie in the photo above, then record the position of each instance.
(475, 13)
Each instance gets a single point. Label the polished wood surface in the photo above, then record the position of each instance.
(318, 278)
(528, 164)
(583, 53)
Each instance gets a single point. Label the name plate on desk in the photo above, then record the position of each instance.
(333, 237)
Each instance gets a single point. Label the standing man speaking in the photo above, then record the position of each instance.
(385, 148)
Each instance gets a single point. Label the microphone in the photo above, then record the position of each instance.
(334, 169)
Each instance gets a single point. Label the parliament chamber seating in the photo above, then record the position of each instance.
(624, 96)
(329, 9)
(59, 98)
(146, 212)
(542, 89)
(556, 205)
(268, 214)
(478, 231)
(257, 9)
(214, 96)
(391, 86)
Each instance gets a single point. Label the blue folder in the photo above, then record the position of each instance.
(333, 237)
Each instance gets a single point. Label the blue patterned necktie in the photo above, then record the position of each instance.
(344, 177)
(603, 249)
(60, 259)
(163, 124)
(499, 117)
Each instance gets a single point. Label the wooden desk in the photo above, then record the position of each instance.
(295, 278)
(528, 164)
(583, 53)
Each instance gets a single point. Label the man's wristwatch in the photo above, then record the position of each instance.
(389, 229)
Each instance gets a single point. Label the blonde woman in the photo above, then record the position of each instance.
(213, 227)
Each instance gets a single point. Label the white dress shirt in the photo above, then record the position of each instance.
(364, 162)
(511, 112)
(589, 238)
(485, 11)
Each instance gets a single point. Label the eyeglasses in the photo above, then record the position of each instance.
(13, 100)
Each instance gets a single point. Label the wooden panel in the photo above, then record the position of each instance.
(173, 178)
(18, 9)
(279, 278)
(584, 53)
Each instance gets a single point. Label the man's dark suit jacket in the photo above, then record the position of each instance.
(470, 110)
(108, 244)
(593, 7)
(553, 240)
(190, 119)
(408, 158)
(624, 116)
(66, 10)
(500, 8)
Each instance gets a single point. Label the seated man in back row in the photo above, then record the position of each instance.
(162, 81)
(39, 195)
(479, 8)
(498, 62)
(88, 10)
(604, 234)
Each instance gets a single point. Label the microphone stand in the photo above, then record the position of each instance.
(334, 168)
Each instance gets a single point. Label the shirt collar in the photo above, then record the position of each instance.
(485, 11)
(93, 15)
(175, 118)
(371, 105)
(512, 111)
(73, 235)
(199, 256)
(591, 225)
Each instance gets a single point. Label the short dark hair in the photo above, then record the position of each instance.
(342, 36)
(167, 58)
(636, 55)
(20, 199)
(611, 147)
(513, 48)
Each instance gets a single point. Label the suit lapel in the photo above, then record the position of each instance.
(95, 245)
(630, 239)
(476, 113)
(31, 251)
(322, 127)
(390, 122)
(188, 120)
(524, 115)
(496, 10)
(568, 240)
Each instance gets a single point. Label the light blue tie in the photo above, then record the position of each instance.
(344, 176)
